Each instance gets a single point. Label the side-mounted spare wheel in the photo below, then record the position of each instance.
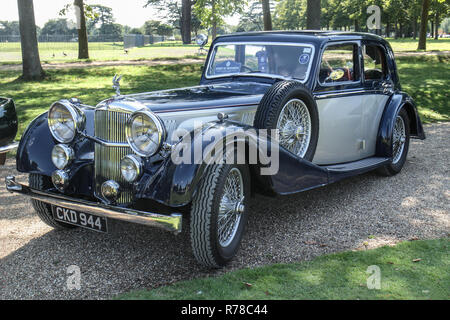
(290, 107)
(44, 210)
(219, 213)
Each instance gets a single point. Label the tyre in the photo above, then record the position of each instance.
(44, 210)
(400, 145)
(290, 107)
(219, 214)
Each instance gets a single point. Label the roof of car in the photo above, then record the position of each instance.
(300, 35)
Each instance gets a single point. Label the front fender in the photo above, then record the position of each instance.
(393, 107)
(35, 147)
(176, 185)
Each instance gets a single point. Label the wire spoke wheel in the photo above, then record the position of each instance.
(231, 207)
(399, 138)
(294, 127)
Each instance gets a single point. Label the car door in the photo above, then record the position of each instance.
(338, 93)
(377, 90)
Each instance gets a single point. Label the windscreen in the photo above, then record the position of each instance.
(279, 60)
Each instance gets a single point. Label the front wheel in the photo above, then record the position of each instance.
(219, 214)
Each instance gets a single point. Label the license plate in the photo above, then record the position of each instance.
(80, 219)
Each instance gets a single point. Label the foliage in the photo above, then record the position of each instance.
(409, 270)
(157, 28)
(57, 27)
(9, 28)
(213, 12)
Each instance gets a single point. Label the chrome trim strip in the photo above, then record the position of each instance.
(9, 147)
(171, 223)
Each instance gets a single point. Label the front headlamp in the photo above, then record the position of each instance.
(64, 120)
(145, 133)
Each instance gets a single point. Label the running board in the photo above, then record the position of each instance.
(340, 171)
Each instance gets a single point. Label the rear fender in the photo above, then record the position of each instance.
(393, 107)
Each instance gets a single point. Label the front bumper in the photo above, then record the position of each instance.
(9, 147)
(170, 223)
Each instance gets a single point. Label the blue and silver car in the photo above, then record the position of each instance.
(331, 103)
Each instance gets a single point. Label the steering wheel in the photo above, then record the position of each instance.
(329, 79)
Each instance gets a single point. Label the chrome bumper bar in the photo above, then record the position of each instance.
(9, 147)
(170, 223)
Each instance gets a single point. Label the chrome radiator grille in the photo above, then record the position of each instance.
(110, 126)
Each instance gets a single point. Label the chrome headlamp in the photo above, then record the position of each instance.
(62, 156)
(131, 167)
(145, 133)
(64, 120)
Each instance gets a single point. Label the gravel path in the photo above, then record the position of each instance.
(414, 204)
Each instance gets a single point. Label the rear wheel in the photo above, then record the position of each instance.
(400, 145)
(44, 210)
(219, 214)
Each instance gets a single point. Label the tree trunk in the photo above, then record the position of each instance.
(267, 17)
(214, 20)
(31, 64)
(83, 48)
(436, 26)
(423, 25)
(313, 15)
(186, 17)
(414, 25)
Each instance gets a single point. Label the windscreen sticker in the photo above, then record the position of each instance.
(307, 50)
(228, 66)
(304, 59)
(262, 61)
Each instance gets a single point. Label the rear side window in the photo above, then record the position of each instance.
(339, 64)
(374, 63)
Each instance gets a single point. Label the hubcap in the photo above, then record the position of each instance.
(231, 207)
(294, 127)
(399, 138)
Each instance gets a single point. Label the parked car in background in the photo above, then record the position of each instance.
(8, 127)
(331, 101)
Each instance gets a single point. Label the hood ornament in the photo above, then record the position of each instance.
(116, 84)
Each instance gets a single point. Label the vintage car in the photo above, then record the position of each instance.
(330, 101)
(8, 127)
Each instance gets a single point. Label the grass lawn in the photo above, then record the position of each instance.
(402, 45)
(410, 270)
(10, 53)
(425, 78)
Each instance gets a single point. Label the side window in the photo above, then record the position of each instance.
(374, 63)
(339, 64)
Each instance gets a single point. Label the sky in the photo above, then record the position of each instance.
(126, 12)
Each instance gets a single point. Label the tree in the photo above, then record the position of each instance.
(57, 26)
(9, 28)
(267, 17)
(290, 15)
(423, 25)
(313, 15)
(31, 64)
(212, 12)
(179, 17)
(83, 46)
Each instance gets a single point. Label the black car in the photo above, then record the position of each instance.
(274, 113)
(8, 127)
